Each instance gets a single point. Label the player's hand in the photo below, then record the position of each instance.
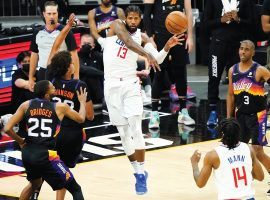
(174, 40)
(23, 144)
(143, 73)
(152, 62)
(31, 84)
(195, 158)
(82, 95)
(234, 15)
(71, 20)
(227, 17)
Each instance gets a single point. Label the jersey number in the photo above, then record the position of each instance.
(237, 177)
(246, 100)
(66, 101)
(122, 52)
(43, 123)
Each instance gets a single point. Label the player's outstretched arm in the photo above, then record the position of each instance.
(61, 37)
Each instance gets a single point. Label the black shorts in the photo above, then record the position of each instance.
(253, 126)
(69, 144)
(40, 162)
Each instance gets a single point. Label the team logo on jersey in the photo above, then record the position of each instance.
(113, 13)
(250, 74)
(242, 86)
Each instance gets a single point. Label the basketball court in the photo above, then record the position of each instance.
(105, 173)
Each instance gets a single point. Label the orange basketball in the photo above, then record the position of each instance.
(176, 22)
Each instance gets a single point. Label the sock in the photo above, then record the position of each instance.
(135, 166)
(140, 167)
(213, 107)
(182, 103)
(154, 105)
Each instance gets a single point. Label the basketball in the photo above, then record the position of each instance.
(176, 22)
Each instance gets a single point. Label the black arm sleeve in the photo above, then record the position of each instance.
(148, 7)
(70, 41)
(211, 21)
(33, 45)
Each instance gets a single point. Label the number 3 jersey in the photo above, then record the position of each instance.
(119, 61)
(42, 123)
(233, 176)
(248, 93)
(65, 92)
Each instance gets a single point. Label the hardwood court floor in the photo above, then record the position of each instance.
(170, 178)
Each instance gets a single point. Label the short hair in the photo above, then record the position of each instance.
(50, 3)
(41, 88)
(59, 64)
(249, 42)
(230, 131)
(22, 55)
(133, 8)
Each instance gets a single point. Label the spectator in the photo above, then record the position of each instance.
(228, 24)
(91, 69)
(42, 43)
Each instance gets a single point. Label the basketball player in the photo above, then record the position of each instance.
(43, 121)
(101, 17)
(175, 62)
(246, 100)
(233, 162)
(122, 86)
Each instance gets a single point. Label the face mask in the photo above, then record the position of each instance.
(86, 49)
(25, 67)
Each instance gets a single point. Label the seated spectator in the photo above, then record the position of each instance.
(20, 87)
(91, 69)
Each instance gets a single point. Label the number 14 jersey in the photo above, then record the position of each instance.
(233, 176)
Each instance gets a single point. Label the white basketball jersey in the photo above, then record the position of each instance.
(119, 61)
(233, 176)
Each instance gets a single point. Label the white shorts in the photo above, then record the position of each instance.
(123, 98)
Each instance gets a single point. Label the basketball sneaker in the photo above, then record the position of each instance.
(141, 186)
(190, 93)
(213, 119)
(173, 93)
(154, 120)
(184, 118)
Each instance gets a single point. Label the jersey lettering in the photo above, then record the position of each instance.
(237, 177)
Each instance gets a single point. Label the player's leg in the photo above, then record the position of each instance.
(60, 194)
(30, 188)
(75, 189)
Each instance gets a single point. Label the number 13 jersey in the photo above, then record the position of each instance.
(249, 93)
(119, 61)
(233, 176)
(42, 123)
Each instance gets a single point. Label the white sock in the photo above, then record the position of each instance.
(135, 166)
(140, 167)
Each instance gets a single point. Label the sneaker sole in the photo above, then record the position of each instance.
(141, 193)
(188, 124)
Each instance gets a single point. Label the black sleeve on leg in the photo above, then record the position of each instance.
(75, 189)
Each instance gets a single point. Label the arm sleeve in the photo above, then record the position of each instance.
(159, 56)
(33, 45)
(70, 41)
(209, 19)
(147, 18)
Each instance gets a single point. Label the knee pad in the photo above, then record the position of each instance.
(126, 140)
(135, 128)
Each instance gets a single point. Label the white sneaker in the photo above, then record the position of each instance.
(184, 118)
(154, 120)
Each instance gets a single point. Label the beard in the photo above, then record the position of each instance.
(107, 3)
(131, 29)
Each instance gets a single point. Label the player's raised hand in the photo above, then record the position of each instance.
(195, 158)
(176, 39)
(71, 20)
(82, 95)
(152, 62)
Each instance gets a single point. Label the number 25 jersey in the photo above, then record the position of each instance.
(42, 123)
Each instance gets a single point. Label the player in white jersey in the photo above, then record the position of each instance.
(122, 88)
(234, 164)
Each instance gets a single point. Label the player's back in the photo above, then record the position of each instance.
(119, 61)
(42, 122)
(65, 92)
(234, 174)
